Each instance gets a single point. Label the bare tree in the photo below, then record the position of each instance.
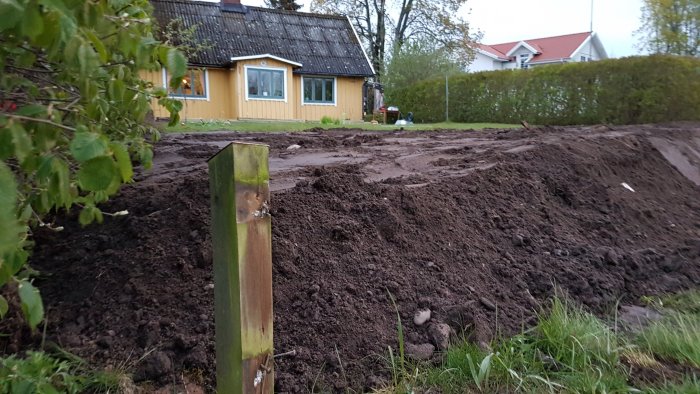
(407, 20)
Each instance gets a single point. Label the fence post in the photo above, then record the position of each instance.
(242, 249)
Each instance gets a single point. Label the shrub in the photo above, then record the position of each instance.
(618, 91)
(328, 120)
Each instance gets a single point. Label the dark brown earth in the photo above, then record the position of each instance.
(480, 227)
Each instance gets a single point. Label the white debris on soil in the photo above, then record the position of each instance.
(421, 317)
(628, 187)
(293, 147)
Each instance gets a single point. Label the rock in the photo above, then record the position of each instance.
(148, 334)
(638, 317)
(155, 366)
(183, 343)
(422, 352)
(313, 289)
(210, 286)
(197, 358)
(105, 342)
(293, 147)
(488, 304)
(518, 240)
(70, 340)
(205, 257)
(611, 257)
(439, 334)
(373, 383)
(371, 267)
(421, 317)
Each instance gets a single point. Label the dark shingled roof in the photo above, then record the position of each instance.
(323, 44)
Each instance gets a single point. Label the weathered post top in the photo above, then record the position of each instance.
(242, 248)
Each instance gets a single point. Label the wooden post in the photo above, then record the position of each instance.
(242, 246)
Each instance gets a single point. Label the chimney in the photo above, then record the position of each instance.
(233, 6)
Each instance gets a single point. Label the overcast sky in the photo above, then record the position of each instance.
(615, 21)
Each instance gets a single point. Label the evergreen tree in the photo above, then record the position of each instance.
(289, 5)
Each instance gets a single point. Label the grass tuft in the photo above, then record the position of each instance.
(677, 337)
(40, 372)
(569, 350)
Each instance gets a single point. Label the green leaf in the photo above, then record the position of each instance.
(87, 145)
(6, 147)
(123, 161)
(32, 306)
(177, 66)
(85, 55)
(11, 12)
(33, 23)
(4, 307)
(87, 215)
(97, 174)
(146, 157)
(21, 141)
(32, 110)
(98, 45)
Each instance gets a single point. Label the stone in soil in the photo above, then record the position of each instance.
(422, 352)
(154, 367)
(439, 334)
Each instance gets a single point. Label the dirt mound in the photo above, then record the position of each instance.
(482, 246)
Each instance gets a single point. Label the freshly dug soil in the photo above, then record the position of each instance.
(479, 227)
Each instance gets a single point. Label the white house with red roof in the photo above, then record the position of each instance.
(579, 47)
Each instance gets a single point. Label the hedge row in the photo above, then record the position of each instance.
(618, 91)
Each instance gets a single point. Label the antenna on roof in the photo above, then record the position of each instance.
(591, 28)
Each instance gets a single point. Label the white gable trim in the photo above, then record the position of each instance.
(267, 55)
(491, 55)
(580, 47)
(361, 47)
(524, 45)
(595, 41)
(599, 46)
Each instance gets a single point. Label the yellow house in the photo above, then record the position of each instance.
(263, 63)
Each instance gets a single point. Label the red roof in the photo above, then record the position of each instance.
(550, 48)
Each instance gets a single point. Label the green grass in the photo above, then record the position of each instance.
(572, 351)
(677, 337)
(40, 372)
(280, 126)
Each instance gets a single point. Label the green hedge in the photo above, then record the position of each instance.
(617, 91)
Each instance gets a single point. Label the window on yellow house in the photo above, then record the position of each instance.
(193, 85)
(319, 90)
(265, 83)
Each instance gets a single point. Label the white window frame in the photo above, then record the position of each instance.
(245, 82)
(206, 86)
(335, 90)
(523, 59)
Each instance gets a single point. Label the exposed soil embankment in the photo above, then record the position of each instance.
(479, 227)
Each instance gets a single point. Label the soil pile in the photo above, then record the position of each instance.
(478, 230)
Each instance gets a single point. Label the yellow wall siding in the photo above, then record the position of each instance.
(262, 108)
(218, 106)
(348, 101)
(227, 97)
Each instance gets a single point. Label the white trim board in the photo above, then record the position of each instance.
(264, 56)
(361, 47)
